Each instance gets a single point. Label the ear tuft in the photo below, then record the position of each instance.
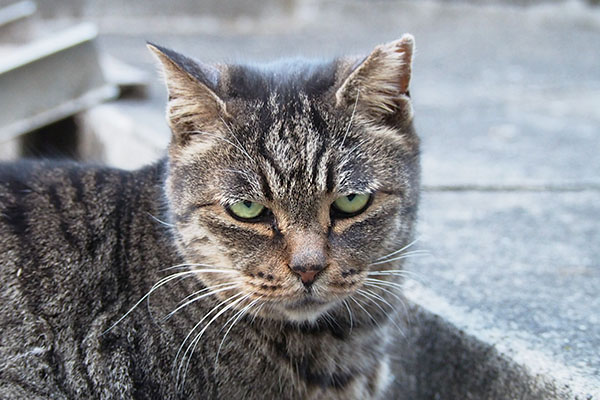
(379, 86)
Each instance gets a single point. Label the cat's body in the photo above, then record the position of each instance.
(80, 246)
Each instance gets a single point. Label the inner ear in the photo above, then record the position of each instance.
(379, 85)
(193, 106)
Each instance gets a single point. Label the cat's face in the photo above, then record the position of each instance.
(289, 181)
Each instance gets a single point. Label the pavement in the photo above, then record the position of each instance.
(507, 102)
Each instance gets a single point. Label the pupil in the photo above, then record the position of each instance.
(247, 203)
(351, 197)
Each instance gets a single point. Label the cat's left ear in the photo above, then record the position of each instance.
(193, 102)
(379, 85)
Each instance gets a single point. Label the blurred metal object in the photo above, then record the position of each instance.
(16, 12)
(132, 82)
(16, 22)
(50, 79)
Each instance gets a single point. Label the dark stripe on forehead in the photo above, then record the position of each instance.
(264, 152)
(281, 131)
(321, 131)
(264, 184)
(330, 176)
(317, 160)
(317, 120)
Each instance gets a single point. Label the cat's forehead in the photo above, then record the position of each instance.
(282, 117)
(303, 148)
(299, 143)
(282, 80)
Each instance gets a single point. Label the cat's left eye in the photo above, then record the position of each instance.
(351, 205)
(246, 210)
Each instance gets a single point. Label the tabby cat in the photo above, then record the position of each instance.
(259, 260)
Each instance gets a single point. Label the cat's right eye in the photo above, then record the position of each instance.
(246, 210)
(351, 205)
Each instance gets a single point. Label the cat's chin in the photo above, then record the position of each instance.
(307, 309)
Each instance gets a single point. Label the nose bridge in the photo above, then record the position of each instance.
(308, 256)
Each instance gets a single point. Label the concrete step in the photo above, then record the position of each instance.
(512, 281)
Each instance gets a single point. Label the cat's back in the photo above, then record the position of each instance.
(56, 211)
(66, 228)
(65, 239)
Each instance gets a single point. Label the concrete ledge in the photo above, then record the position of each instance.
(449, 353)
(50, 79)
(112, 137)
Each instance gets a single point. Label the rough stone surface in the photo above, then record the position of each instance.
(520, 272)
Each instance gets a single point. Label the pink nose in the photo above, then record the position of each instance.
(307, 273)
(307, 277)
(307, 255)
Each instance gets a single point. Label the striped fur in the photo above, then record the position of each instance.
(80, 245)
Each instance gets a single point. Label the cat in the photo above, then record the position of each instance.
(260, 259)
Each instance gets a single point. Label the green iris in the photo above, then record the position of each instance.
(352, 204)
(247, 209)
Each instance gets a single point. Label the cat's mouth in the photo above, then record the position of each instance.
(307, 308)
(307, 301)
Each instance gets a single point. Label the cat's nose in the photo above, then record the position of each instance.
(308, 256)
(307, 273)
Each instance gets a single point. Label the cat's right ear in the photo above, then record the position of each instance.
(378, 87)
(193, 105)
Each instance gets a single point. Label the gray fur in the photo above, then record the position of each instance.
(81, 245)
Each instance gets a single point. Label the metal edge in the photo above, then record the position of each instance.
(17, 11)
(42, 48)
(72, 107)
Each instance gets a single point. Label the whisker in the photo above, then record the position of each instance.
(194, 342)
(365, 311)
(351, 117)
(364, 294)
(399, 250)
(241, 148)
(383, 289)
(187, 303)
(373, 297)
(160, 221)
(257, 312)
(400, 273)
(391, 293)
(385, 283)
(349, 314)
(204, 290)
(237, 317)
(192, 331)
(378, 297)
(181, 266)
(157, 285)
(330, 319)
(412, 255)
(219, 137)
(239, 172)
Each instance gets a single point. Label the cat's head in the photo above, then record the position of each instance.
(289, 180)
